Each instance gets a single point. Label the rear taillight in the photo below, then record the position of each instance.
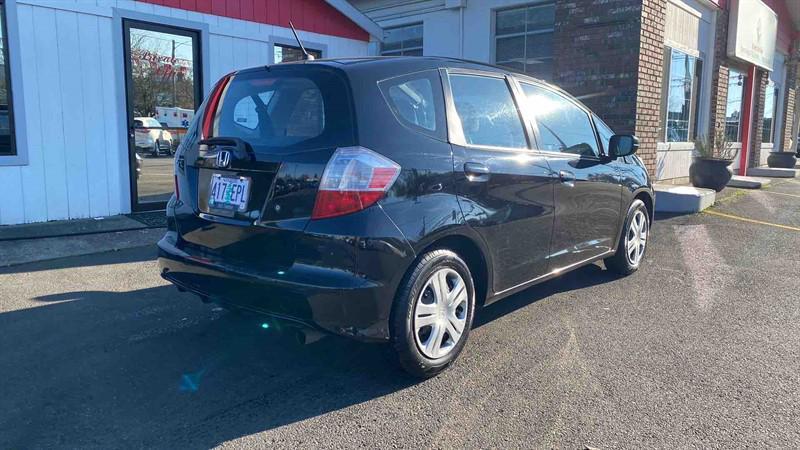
(354, 179)
(211, 108)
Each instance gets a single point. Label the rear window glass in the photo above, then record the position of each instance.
(417, 101)
(281, 110)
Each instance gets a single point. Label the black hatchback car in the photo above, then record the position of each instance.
(385, 199)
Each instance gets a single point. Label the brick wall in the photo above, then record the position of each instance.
(789, 99)
(761, 81)
(651, 74)
(609, 53)
(719, 77)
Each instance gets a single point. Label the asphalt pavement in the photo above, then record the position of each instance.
(700, 348)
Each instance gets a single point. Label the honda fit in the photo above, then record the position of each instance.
(385, 199)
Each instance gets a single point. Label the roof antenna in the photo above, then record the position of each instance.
(308, 56)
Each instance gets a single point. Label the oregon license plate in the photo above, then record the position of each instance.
(229, 193)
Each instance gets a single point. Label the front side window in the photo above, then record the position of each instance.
(563, 126)
(417, 102)
(733, 109)
(524, 39)
(768, 126)
(681, 86)
(403, 41)
(288, 53)
(487, 111)
(7, 145)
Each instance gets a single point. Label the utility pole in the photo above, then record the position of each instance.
(174, 85)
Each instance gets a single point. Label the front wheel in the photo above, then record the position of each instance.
(633, 242)
(432, 314)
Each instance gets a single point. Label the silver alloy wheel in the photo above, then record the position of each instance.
(636, 238)
(440, 313)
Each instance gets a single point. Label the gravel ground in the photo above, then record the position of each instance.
(700, 348)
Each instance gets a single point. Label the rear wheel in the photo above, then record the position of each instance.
(633, 242)
(432, 313)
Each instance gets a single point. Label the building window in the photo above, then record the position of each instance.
(403, 41)
(523, 39)
(7, 145)
(770, 107)
(681, 88)
(288, 53)
(733, 110)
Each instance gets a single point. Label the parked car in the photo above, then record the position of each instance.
(385, 199)
(151, 137)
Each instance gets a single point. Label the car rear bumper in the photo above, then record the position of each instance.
(340, 300)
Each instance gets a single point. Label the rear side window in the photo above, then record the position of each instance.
(563, 126)
(285, 110)
(487, 111)
(417, 101)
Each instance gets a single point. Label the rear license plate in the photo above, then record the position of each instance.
(229, 193)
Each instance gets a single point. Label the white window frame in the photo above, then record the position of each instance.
(401, 51)
(495, 36)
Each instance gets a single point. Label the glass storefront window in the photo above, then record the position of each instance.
(524, 39)
(682, 85)
(403, 41)
(768, 126)
(733, 110)
(7, 147)
(288, 53)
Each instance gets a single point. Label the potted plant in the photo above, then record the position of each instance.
(709, 167)
(782, 160)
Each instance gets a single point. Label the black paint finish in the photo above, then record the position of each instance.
(513, 208)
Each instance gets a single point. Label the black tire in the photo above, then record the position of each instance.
(403, 337)
(621, 262)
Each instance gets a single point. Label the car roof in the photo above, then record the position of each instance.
(408, 64)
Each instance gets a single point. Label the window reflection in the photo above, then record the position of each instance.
(733, 110)
(6, 115)
(681, 92)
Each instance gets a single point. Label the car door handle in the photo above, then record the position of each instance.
(476, 172)
(567, 177)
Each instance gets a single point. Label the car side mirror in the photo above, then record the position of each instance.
(622, 145)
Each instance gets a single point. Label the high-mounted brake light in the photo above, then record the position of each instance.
(354, 179)
(213, 103)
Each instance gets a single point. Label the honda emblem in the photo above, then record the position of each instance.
(223, 159)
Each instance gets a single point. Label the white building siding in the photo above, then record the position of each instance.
(76, 129)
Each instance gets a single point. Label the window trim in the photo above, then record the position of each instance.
(694, 98)
(455, 132)
(495, 36)
(16, 96)
(601, 155)
(400, 52)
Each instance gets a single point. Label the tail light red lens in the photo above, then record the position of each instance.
(213, 103)
(354, 179)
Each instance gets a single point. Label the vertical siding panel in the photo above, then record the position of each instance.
(35, 194)
(260, 11)
(47, 79)
(247, 10)
(93, 108)
(256, 54)
(239, 54)
(233, 8)
(115, 146)
(72, 109)
(204, 6)
(218, 7)
(12, 207)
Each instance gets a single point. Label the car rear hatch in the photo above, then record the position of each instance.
(252, 174)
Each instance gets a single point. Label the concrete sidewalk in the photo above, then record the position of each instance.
(26, 243)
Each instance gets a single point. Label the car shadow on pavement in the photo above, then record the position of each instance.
(584, 277)
(155, 368)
